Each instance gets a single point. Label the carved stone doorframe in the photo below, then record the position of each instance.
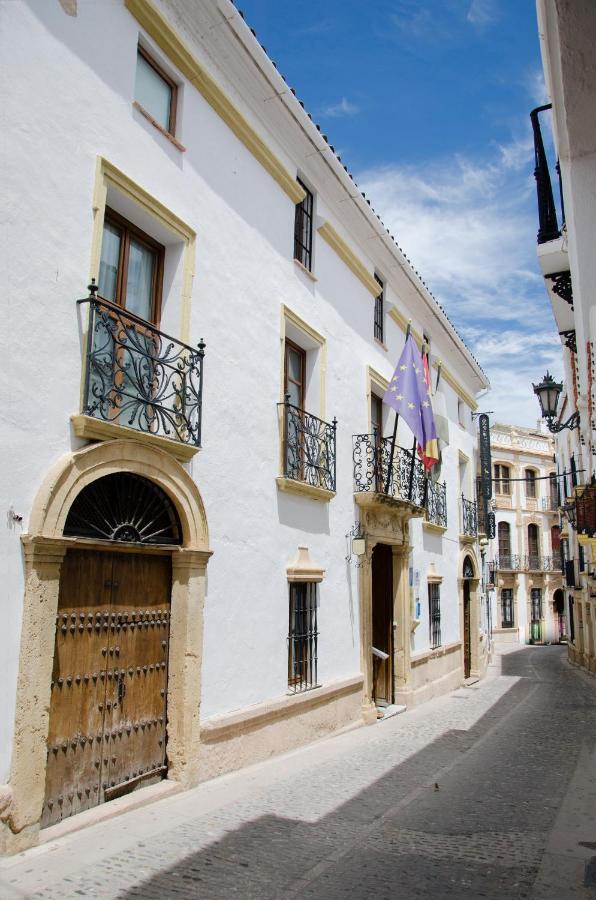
(385, 521)
(21, 801)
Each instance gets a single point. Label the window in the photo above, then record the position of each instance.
(531, 483)
(555, 538)
(302, 636)
(376, 417)
(536, 604)
(504, 538)
(434, 613)
(379, 311)
(502, 485)
(130, 268)
(507, 608)
(554, 491)
(533, 547)
(303, 229)
(155, 92)
(294, 374)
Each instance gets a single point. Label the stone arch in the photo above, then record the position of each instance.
(76, 470)
(45, 546)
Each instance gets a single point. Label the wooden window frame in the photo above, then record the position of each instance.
(127, 230)
(530, 476)
(171, 129)
(502, 484)
(533, 529)
(507, 605)
(504, 528)
(291, 345)
(306, 208)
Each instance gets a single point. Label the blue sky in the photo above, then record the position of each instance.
(427, 102)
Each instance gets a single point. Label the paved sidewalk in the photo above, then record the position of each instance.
(360, 815)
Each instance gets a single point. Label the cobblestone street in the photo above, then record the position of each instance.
(487, 792)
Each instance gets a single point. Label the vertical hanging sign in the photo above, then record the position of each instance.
(486, 484)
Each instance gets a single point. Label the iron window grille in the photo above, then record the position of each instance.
(436, 503)
(140, 377)
(469, 517)
(309, 447)
(536, 602)
(302, 637)
(376, 471)
(434, 613)
(303, 229)
(507, 608)
(379, 311)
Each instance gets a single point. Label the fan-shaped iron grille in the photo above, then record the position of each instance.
(124, 507)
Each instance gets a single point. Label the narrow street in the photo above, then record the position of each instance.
(487, 792)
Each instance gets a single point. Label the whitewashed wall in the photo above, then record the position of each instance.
(69, 99)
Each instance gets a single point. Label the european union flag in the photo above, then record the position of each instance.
(409, 395)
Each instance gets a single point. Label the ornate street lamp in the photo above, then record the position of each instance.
(570, 511)
(548, 392)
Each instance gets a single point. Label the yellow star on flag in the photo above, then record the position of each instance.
(403, 368)
(400, 397)
(410, 406)
(425, 403)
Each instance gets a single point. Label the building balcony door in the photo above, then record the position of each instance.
(536, 615)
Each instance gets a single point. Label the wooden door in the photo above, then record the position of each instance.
(467, 632)
(382, 621)
(108, 691)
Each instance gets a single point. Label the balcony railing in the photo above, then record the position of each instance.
(536, 563)
(549, 228)
(139, 377)
(469, 517)
(585, 508)
(402, 478)
(507, 562)
(436, 503)
(309, 453)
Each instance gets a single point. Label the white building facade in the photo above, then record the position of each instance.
(524, 555)
(567, 218)
(176, 613)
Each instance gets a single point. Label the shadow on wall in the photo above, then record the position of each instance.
(480, 828)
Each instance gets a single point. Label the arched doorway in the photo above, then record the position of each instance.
(107, 728)
(164, 521)
(559, 615)
(382, 624)
(468, 574)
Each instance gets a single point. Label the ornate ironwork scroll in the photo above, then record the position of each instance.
(309, 447)
(569, 339)
(507, 562)
(436, 503)
(562, 286)
(469, 517)
(402, 477)
(124, 507)
(141, 378)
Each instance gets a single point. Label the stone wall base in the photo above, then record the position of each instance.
(251, 735)
(433, 673)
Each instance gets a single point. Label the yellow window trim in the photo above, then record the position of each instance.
(107, 173)
(160, 30)
(373, 378)
(400, 320)
(337, 243)
(306, 490)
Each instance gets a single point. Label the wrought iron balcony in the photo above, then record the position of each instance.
(436, 503)
(506, 562)
(535, 563)
(139, 377)
(469, 517)
(547, 212)
(402, 478)
(309, 453)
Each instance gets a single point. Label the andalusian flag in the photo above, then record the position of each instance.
(409, 395)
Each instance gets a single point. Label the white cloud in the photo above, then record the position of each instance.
(482, 13)
(337, 110)
(469, 227)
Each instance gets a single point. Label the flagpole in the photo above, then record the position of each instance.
(439, 367)
(394, 436)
